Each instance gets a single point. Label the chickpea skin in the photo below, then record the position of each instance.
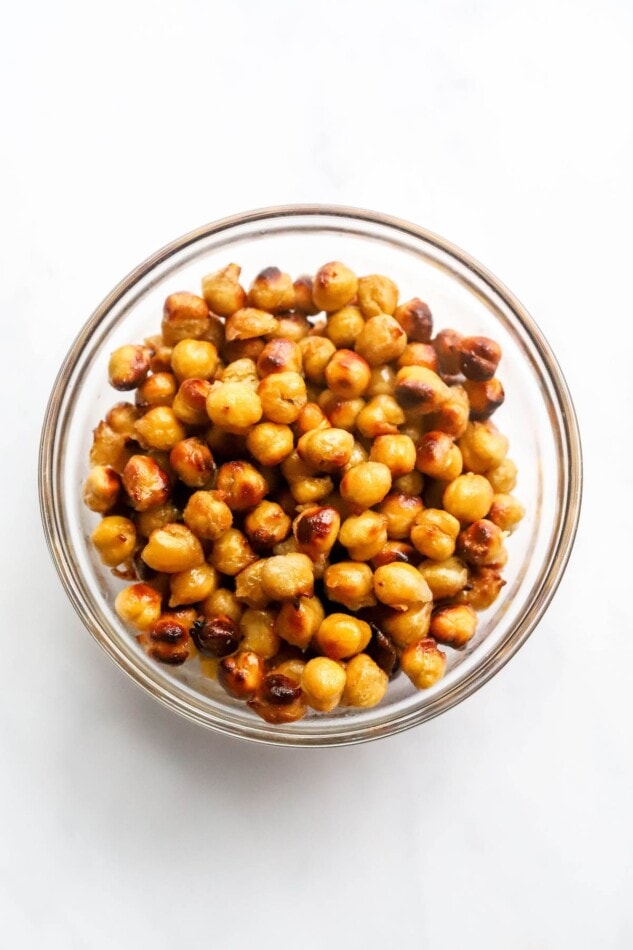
(283, 396)
(423, 663)
(128, 366)
(323, 681)
(207, 515)
(377, 295)
(234, 407)
(172, 549)
(483, 587)
(396, 451)
(381, 340)
(248, 323)
(447, 345)
(452, 416)
(454, 625)
(381, 416)
(366, 485)
(365, 683)
(484, 397)
(401, 586)
(347, 374)
(222, 290)
(503, 477)
(340, 636)
(185, 316)
(279, 700)
(114, 539)
(138, 605)
(216, 636)
(351, 584)
(334, 286)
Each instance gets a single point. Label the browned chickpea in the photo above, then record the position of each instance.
(359, 454)
(216, 636)
(326, 450)
(479, 357)
(364, 535)
(160, 361)
(395, 551)
(194, 359)
(482, 588)
(365, 683)
(381, 382)
(454, 626)
(167, 640)
(279, 700)
(283, 396)
(445, 578)
(222, 603)
(267, 525)
(279, 356)
(172, 549)
(381, 340)
(410, 484)
(306, 487)
(303, 296)
(397, 452)
(241, 674)
(347, 374)
(377, 295)
(298, 621)
(234, 407)
(159, 429)
(484, 397)
(434, 533)
(241, 485)
(235, 350)
(316, 353)
(343, 326)
(407, 626)
(438, 456)
(503, 477)
(416, 320)
(290, 326)
(342, 413)
(334, 286)
(109, 448)
(423, 663)
(382, 650)
(323, 681)
(258, 630)
(270, 443)
(192, 461)
(287, 576)
(506, 511)
(452, 416)
(247, 323)
(128, 366)
(231, 553)
(447, 345)
(419, 390)
(157, 517)
(102, 488)
(208, 515)
(316, 529)
(215, 332)
(468, 497)
(222, 290)
(159, 389)
(272, 290)
(400, 512)
(365, 485)
(139, 605)
(381, 416)
(311, 417)
(121, 419)
(482, 446)
(401, 586)
(115, 539)
(249, 590)
(419, 354)
(481, 543)
(190, 402)
(351, 584)
(340, 636)
(185, 316)
(241, 371)
(193, 585)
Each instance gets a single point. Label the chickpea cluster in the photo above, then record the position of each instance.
(307, 489)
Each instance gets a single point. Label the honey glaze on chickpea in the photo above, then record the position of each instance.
(307, 488)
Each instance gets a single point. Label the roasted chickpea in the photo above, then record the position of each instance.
(365, 485)
(506, 511)
(347, 374)
(279, 700)
(397, 452)
(172, 549)
(279, 356)
(423, 663)
(468, 497)
(359, 454)
(447, 345)
(479, 357)
(128, 366)
(267, 525)
(257, 627)
(401, 586)
(109, 448)
(305, 486)
(341, 413)
(185, 316)
(482, 588)
(234, 407)
(290, 326)
(222, 603)
(365, 683)
(248, 586)
(434, 534)
(311, 417)
(241, 371)
(194, 359)
(445, 578)
(270, 442)
(323, 681)
(157, 517)
(481, 543)
(232, 553)
(381, 340)
(395, 551)
(381, 382)
(139, 605)
(247, 323)
(159, 429)
(241, 485)
(377, 295)
(400, 512)
(190, 402)
(298, 620)
(351, 584)
(115, 539)
(160, 361)
(343, 326)
(303, 296)
(193, 585)
(438, 456)
(208, 515)
(159, 389)
(283, 396)
(419, 354)
(484, 397)
(216, 636)
(102, 488)
(316, 529)
(364, 535)
(503, 477)
(406, 626)
(452, 416)
(410, 484)
(234, 351)
(334, 286)
(454, 625)
(192, 461)
(120, 419)
(416, 320)
(381, 416)
(241, 674)
(326, 450)
(340, 636)
(316, 353)
(167, 640)
(222, 290)
(419, 390)
(272, 290)
(287, 576)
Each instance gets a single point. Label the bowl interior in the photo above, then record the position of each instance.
(537, 417)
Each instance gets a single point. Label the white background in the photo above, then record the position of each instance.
(505, 127)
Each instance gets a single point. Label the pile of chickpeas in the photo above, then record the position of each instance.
(307, 490)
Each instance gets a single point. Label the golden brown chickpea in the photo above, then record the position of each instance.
(447, 345)
(479, 357)
(484, 397)
(241, 674)
(343, 326)
(397, 452)
(215, 332)
(222, 603)
(347, 374)
(359, 454)
(258, 631)
(340, 636)
(168, 640)
(216, 636)
(172, 549)
(234, 407)
(248, 588)
(468, 497)
(305, 486)
(419, 390)
(279, 356)
(287, 576)
(401, 586)
(381, 416)
(128, 366)
(236, 350)
(377, 295)
(365, 683)
(316, 529)
(351, 584)
(121, 419)
(159, 389)
(185, 316)
(192, 461)
(482, 588)
(400, 512)
(452, 416)
(102, 488)
(381, 382)
(109, 448)
(364, 535)
(395, 551)
(232, 553)
(279, 700)
(303, 296)
(241, 485)
(341, 413)
(208, 515)
(222, 290)
(159, 429)
(138, 605)
(160, 361)
(292, 667)
(326, 450)
(267, 525)
(365, 485)
(247, 323)
(283, 396)
(190, 402)
(316, 353)
(434, 534)
(241, 371)
(419, 354)
(410, 484)
(416, 320)
(311, 417)
(423, 663)
(157, 517)
(381, 340)
(270, 442)
(193, 585)
(454, 626)
(406, 626)
(272, 290)
(506, 511)
(194, 359)
(323, 681)
(438, 456)
(290, 326)
(481, 544)
(334, 286)
(298, 621)
(445, 578)
(115, 539)
(503, 477)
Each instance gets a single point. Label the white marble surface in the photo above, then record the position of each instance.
(505, 127)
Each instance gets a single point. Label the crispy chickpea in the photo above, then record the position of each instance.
(160, 361)
(192, 461)
(287, 576)
(438, 456)
(172, 549)
(216, 636)
(503, 477)
(102, 488)
(303, 296)
(248, 586)
(406, 626)
(447, 345)
(479, 357)
(395, 551)
(423, 663)
(138, 605)
(298, 620)
(241, 485)
(190, 402)
(343, 326)
(267, 525)
(351, 584)
(248, 323)
(381, 382)
(323, 681)
(377, 295)
(185, 316)
(194, 359)
(506, 511)
(272, 290)
(234, 407)
(305, 486)
(411, 484)
(168, 640)
(270, 442)
(481, 543)
(364, 535)
(115, 539)
(109, 448)
(454, 625)
(341, 413)
(316, 529)
(452, 416)
(359, 454)
(445, 578)
(159, 389)
(482, 588)
(128, 366)
(366, 484)
(215, 332)
(311, 417)
(468, 497)
(157, 517)
(381, 340)
(121, 419)
(241, 371)
(222, 603)
(419, 390)
(279, 700)
(400, 512)
(232, 553)
(290, 326)
(283, 396)
(484, 397)
(381, 416)
(222, 290)
(416, 320)
(235, 350)
(193, 585)
(279, 356)
(347, 374)
(419, 354)
(316, 353)
(241, 674)
(401, 586)
(383, 652)
(326, 450)
(365, 683)
(434, 534)
(292, 667)
(334, 286)
(397, 452)
(159, 429)
(208, 515)
(258, 631)
(340, 636)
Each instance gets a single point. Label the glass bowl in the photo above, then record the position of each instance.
(537, 416)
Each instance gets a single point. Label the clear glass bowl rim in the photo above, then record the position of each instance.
(535, 609)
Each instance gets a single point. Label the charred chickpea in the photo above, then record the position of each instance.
(279, 700)
(347, 374)
(323, 681)
(341, 413)
(185, 316)
(377, 295)
(350, 583)
(381, 416)
(207, 515)
(481, 543)
(115, 539)
(397, 452)
(395, 551)
(406, 626)
(503, 477)
(192, 461)
(283, 396)
(479, 357)
(291, 326)
(232, 552)
(272, 290)
(298, 620)
(190, 402)
(445, 578)
(121, 419)
(468, 497)
(334, 286)
(279, 356)
(241, 674)
(222, 603)
(288, 576)
(454, 625)
(235, 350)
(249, 323)
(452, 416)
(138, 605)
(303, 296)
(241, 485)
(482, 588)
(419, 354)
(101, 488)
(216, 636)
(400, 512)
(381, 382)
(382, 651)
(343, 326)
(341, 635)
(160, 429)
(364, 535)
(167, 640)
(381, 340)
(506, 511)
(194, 359)
(172, 549)
(316, 353)
(234, 407)
(223, 292)
(128, 366)
(366, 484)
(484, 397)
(447, 345)
(326, 450)
(434, 534)
(109, 448)
(311, 417)
(266, 525)
(423, 663)
(419, 390)
(365, 683)
(157, 517)
(316, 529)
(401, 586)
(411, 483)
(416, 320)
(270, 442)
(257, 627)
(193, 585)
(159, 389)
(438, 456)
